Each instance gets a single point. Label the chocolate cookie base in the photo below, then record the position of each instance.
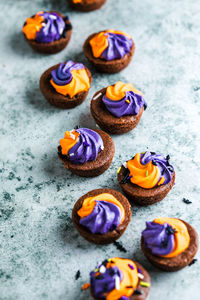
(96, 167)
(111, 236)
(85, 7)
(141, 196)
(104, 66)
(56, 99)
(144, 290)
(107, 121)
(178, 262)
(55, 46)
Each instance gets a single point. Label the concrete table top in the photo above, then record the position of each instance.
(40, 250)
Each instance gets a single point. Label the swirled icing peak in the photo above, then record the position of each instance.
(70, 78)
(44, 27)
(149, 169)
(116, 278)
(166, 237)
(111, 44)
(101, 213)
(81, 145)
(123, 99)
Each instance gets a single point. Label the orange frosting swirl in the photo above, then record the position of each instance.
(80, 82)
(146, 176)
(70, 139)
(100, 42)
(32, 26)
(181, 235)
(119, 89)
(130, 278)
(90, 202)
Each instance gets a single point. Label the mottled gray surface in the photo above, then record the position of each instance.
(40, 251)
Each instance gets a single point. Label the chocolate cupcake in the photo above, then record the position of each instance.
(101, 216)
(169, 243)
(118, 108)
(147, 178)
(110, 51)
(47, 32)
(119, 278)
(86, 152)
(66, 85)
(86, 5)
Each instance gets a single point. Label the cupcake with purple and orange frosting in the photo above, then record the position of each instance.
(101, 216)
(66, 85)
(47, 32)
(86, 152)
(169, 243)
(86, 5)
(147, 178)
(110, 51)
(118, 108)
(120, 279)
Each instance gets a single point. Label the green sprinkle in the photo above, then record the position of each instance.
(145, 284)
(96, 270)
(118, 170)
(147, 173)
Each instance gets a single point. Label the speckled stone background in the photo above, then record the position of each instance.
(40, 251)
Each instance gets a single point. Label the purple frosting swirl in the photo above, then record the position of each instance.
(105, 282)
(118, 46)
(166, 170)
(105, 217)
(159, 238)
(88, 146)
(62, 75)
(53, 29)
(120, 108)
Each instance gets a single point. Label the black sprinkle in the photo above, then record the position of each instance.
(170, 230)
(164, 242)
(104, 263)
(111, 271)
(99, 277)
(77, 127)
(187, 201)
(120, 247)
(163, 171)
(170, 168)
(138, 292)
(168, 157)
(106, 287)
(154, 163)
(153, 153)
(126, 175)
(129, 286)
(145, 106)
(78, 275)
(193, 261)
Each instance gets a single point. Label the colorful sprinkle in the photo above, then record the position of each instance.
(131, 267)
(147, 173)
(117, 282)
(141, 276)
(145, 284)
(85, 286)
(118, 170)
(128, 101)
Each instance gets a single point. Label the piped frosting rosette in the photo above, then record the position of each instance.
(111, 44)
(123, 99)
(101, 214)
(149, 170)
(81, 145)
(70, 78)
(44, 27)
(115, 278)
(166, 237)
